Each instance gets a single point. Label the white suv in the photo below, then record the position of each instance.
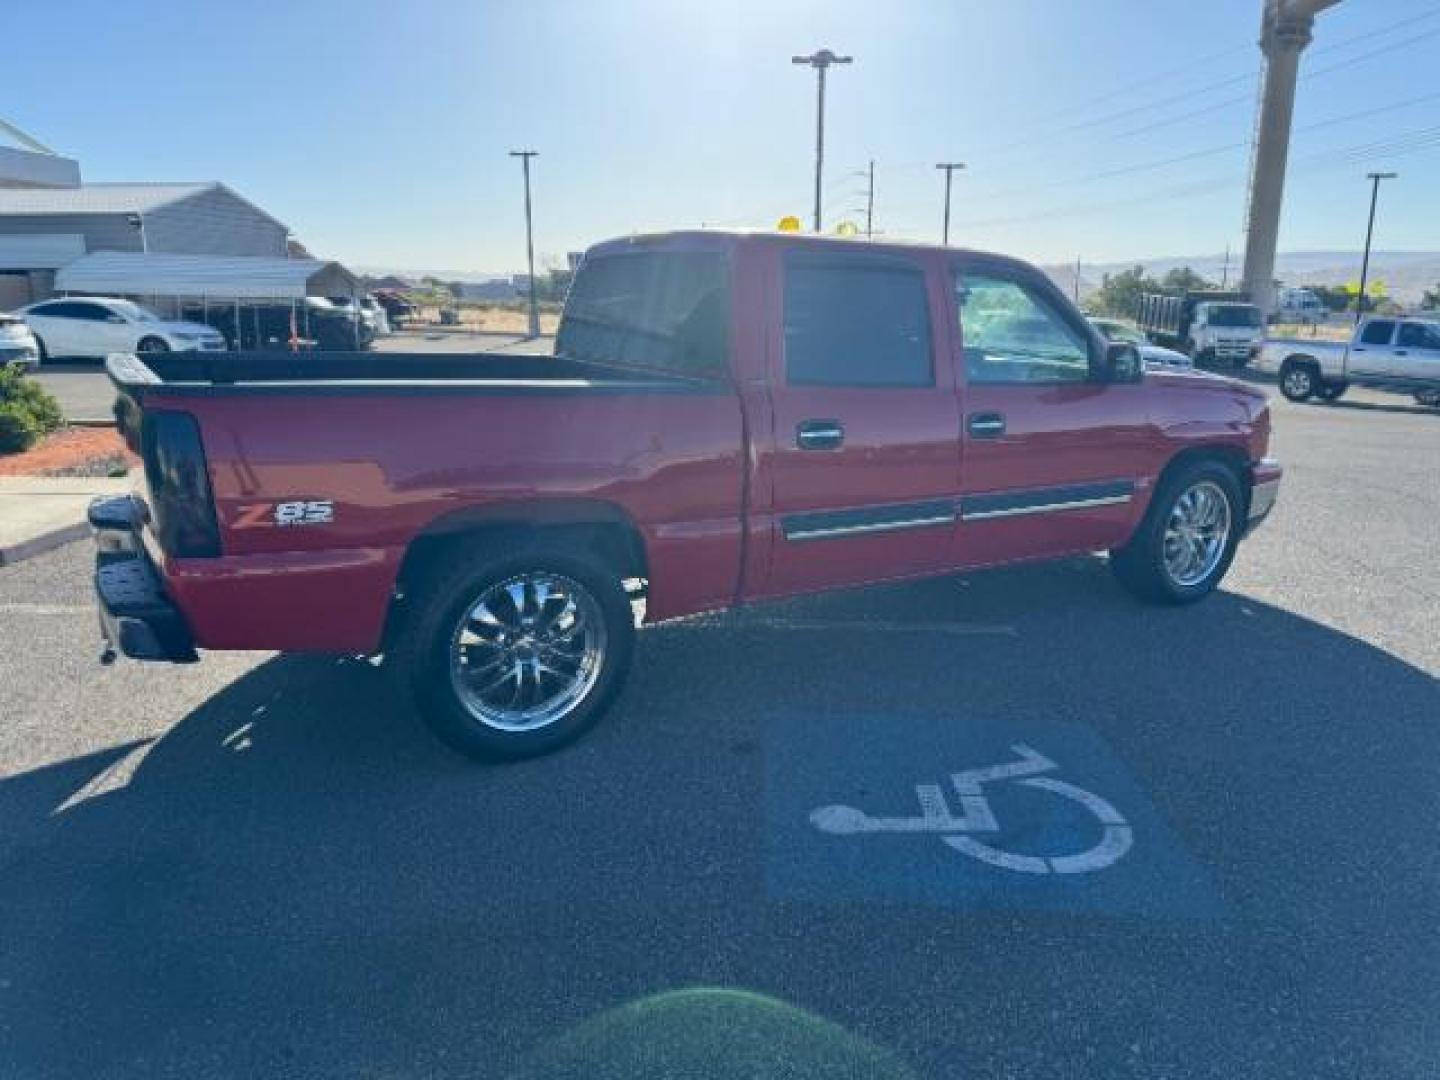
(99, 325)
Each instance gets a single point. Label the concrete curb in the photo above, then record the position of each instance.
(48, 541)
(91, 421)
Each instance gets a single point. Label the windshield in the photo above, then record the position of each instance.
(132, 311)
(1233, 315)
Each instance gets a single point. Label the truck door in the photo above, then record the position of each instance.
(1417, 352)
(1052, 457)
(865, 455)
(1370, 354)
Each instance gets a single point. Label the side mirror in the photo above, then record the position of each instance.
(1123, 363)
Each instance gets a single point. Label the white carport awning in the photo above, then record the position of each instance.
(40, 251)
(219, 277)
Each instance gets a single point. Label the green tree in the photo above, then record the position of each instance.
(1181, 279)
(1119, 294)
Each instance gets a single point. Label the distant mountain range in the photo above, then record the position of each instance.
(1406, 274)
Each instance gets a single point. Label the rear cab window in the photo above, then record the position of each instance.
(666, 311)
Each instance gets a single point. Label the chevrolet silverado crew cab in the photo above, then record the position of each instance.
(1384, 353)
(728, 417)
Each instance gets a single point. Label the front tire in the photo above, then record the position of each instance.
(1298, 380)
(153, 345)
(514, 653)
(1187, 540)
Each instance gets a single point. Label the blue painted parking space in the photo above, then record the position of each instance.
(967, 812)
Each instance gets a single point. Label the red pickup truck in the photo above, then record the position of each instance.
(728, 417)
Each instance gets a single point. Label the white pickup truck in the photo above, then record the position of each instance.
(1385, 353)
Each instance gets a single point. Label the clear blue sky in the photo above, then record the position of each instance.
(378, 130)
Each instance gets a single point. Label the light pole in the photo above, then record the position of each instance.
(820, 61)
(525, 156)
(1375, 178)
(949, 167)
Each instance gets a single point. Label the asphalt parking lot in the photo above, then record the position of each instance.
(262, 865)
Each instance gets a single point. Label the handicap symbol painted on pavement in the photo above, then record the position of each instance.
(992, 811)
(976, 816)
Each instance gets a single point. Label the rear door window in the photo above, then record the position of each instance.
(662, 310)
(856, 322)
(1377, 332)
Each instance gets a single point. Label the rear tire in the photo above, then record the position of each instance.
(1184, 519)
(466, 632)
(1299, 380)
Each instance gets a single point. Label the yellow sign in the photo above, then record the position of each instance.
(847, 228)
(789, 223)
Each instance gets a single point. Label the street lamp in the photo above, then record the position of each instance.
(525, 156)
(949, 167)
(1375, 178)
(820, 61)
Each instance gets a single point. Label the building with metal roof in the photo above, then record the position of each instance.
(143, 240)
(200, 277)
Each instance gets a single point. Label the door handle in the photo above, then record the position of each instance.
(985, 425)
(819, 435)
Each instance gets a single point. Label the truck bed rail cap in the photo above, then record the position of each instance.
(128, 369)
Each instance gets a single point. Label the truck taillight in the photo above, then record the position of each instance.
(181, 506)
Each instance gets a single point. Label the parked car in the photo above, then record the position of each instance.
(728, 418)
(18, 347)
(93, 326)
(1155, 356)
(378, 317)
(267, 326)
(1383, 352)
(365, 317)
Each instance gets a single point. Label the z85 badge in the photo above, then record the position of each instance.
(284, 514)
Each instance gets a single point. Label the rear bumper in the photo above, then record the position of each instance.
(137, 619)
(1265, 476)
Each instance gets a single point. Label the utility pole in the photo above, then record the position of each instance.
(1375, 178)
(1225, 271)
(949, 167)
(1285, 31)
(1077, 280)
(525, 156)
(820, 61)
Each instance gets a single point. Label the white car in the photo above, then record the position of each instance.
(93, 326)
(17, 344)
(1155, 357)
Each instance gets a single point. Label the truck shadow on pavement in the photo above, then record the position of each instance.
(297, 881)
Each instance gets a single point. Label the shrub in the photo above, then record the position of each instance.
(18, 430)
(27, 411)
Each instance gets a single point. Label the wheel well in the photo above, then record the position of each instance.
(1302, 360)
(598, 529)
(1233, 458)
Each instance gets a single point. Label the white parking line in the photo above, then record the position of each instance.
(47, 609)
(116, 777)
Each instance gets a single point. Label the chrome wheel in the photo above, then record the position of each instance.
(1298, 383)
(1196, 533)
(528, 651)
